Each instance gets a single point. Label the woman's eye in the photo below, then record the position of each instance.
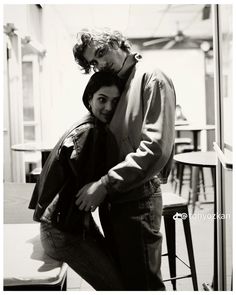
(101, 100)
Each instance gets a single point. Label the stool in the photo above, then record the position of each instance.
(26, 266)
(180, 142)
(180, 177)
(176, 207)
(34, 174)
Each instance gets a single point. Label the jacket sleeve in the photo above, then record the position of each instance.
(157, 139)
(57, 170)
(51, 180)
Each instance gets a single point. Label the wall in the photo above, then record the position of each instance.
(186, 69)
(62, 81)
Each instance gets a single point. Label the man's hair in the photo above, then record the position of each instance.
(105, 37)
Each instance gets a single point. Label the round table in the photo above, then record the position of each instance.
(204, 159)
(195, 129)
(197, 160)
(44, 148)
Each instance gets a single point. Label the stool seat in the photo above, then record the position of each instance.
(183, 140)
(36, 171)
(25, 262)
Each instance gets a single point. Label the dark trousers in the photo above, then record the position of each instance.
(132, 230)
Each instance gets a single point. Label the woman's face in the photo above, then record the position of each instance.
(104, 101)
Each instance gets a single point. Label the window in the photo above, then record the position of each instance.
(31, 107)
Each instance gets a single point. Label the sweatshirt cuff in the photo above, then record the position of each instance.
(106, 183)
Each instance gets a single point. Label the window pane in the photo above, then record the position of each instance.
(28, 99)
(29, 133)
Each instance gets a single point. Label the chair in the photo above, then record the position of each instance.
(26, 266)
(179, 177)
(176, 207)
(180, 144)
(34, 175)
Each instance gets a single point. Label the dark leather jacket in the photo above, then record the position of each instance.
(80, 156)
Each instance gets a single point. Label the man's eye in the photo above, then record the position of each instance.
(101, 52)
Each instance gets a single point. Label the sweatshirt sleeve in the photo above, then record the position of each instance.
(157, 138)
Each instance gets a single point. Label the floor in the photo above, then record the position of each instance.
(202, 235)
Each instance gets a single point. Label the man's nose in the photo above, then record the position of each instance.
(101, 65)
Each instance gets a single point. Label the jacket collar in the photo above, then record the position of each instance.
(129, 63)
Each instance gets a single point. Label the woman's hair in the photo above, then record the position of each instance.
(97, 81)
(105, 37)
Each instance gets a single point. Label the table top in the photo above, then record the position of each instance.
(204, 159)
(32, 147)
(194, 127)
(181, 122)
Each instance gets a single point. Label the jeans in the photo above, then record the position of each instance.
(133, 231)
(86, 255)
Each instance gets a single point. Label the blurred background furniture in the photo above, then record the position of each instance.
(195, 130)
(26, 266)
(198, 160)
(31, 147)
(204, 160)
(175, 207)
(184, 148)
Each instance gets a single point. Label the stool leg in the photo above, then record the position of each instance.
(190, 185)
(181, 174)
(203, 182)
(176, 176)
(171, 249)
(189, 244)
(195, 181)
(172, 174)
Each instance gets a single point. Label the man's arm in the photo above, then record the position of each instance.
(157, 139)
(155, 147)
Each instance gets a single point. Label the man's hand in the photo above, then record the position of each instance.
(91, 196)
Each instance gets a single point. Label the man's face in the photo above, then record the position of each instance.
(104, 57)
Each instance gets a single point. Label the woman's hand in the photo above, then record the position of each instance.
(91, 196)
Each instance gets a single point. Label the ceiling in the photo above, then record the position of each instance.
(138, 20)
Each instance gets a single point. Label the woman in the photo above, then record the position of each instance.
(79, 157)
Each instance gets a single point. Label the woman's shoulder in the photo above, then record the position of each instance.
(77, 134)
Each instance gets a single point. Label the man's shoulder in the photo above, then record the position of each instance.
(149, 69)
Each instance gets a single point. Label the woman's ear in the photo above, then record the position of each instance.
(89, 101)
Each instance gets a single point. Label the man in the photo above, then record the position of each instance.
(143, 125)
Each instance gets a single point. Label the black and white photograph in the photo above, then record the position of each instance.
(117, 146)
